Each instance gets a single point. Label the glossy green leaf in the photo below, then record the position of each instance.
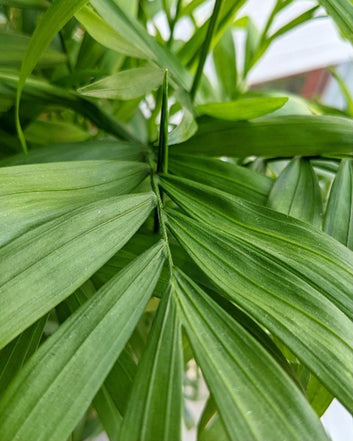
(342, 12)
(225, 64)
(68, 369)
(52, 21)
(125, 85)
(185, 130)
(281, 136)
(155, 407)
(132, 30)
(251, 253)
(107, 36)
(296, 192)
(83, 151)
(243, 108)
(223, 175)
(249, 388)
(36, 193)
(17, 352)
(338, 220)
(40, 268)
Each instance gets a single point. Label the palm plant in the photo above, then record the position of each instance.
(156, 218)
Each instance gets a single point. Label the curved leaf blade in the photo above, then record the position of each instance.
(338, 221)
(125, 85)
(225, 176)
(68, 369)
(32, 194)
(243, 108)
(282, 136)
(324, 265)
(251, 254)
(246, 399)
(40, 268)
(296, 192)
(154, 411)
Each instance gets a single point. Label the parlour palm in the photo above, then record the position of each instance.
(155, 223)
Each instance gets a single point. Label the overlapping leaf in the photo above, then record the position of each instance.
(255, 398)
(251, 253)
(338, 220)
(36, 193)
(41, 267)
(223, 175)
(281, 136)
(155, 407)
(296, 192)
(67, 371)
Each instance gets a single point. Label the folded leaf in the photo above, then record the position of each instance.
(223, 175)
(68, 369)
(37, 193)
(125, 85)
(338, 220)
(154, 411)
(296, 192)
(41, 267)
(281, 136)
(243, 108)
(248, 386)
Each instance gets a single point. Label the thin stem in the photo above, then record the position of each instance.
(162, 166)
(173, 22)
(205, 48)
(161, 220)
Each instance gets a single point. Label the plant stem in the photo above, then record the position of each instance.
(162, 165)
(205, 48)
(173, 22)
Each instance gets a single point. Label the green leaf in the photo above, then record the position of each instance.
(125, 85)
(45, 132)
(13, 46)
(248, 386)
(342, 12)
(40, 268)
(107, 36)
(31, 4)
(68, 369)
(185, 130)
(210, 426)
(110, 400)
(83, 151)
(225, 64)
(56, 16)
(36, 193)
(281, 136)
(318, 396)
(223, 175)
(338, 220)
(296, 192)
(132, 30)
(17, 352)
(251, 254)
(154, 410)
(243, 108)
